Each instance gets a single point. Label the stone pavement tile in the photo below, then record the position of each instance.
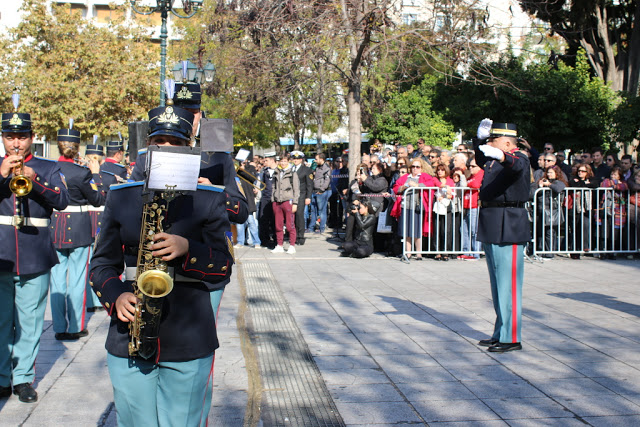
(623, 354)
(579, 356)
(614, 421)
(610, 369)
(483, 423)
(354, 376)
(625, 387)
(334, 345)
(465, 359)
(427, 374)
(498, 389)
(390, 344)
(483, 372)
(527, 408)
(569, 387)
(405, 360)
(558, 344)
(365, 393)
(446, 390)
(454, 410)
(88, 368)
(451, 347)
(607, 342)
(602, 404)
(551, 422)
(331, 363)
(372, 413)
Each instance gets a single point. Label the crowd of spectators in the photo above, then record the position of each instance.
(379, 207)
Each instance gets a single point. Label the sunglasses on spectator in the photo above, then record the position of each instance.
(548, 148)
(582, 170)
(548, 160)
(416, 167)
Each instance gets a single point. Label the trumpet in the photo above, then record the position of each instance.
(246, 176)
(20, 184)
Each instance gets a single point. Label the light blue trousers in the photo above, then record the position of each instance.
(506, 272)
(23, 300)
(165, 394)
(69, 289)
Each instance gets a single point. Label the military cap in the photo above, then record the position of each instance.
(171, 120)
(503, 129)
(69, 135)
(16, 122)
(115, 146)
(94, 149)
(297, 154)
(187, 95)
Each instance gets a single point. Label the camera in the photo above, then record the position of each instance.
(361, 171)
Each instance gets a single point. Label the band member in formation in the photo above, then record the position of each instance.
(113, 162)
(72, 238)
(104, 180)
(30, 188)
(173, 386)
(503, 227)
(305, 178)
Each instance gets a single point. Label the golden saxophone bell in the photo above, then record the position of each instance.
(155, 283)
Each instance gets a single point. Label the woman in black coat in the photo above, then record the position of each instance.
(365, 221)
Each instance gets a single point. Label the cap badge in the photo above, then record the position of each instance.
(184, 93)
(168, 117)
(15, 121)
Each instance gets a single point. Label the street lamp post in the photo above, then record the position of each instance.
(190, 8)
(187, 71)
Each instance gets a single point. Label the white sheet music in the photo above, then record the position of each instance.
(176, 171)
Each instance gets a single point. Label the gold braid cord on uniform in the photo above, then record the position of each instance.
(152, 283)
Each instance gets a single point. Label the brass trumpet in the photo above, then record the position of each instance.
(246, 176)
(20, 184)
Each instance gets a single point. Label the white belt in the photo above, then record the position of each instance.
(75, 209)
(27, 222)
(130, 274)
(95, 209)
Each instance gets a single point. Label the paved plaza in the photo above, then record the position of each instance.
(316, 339)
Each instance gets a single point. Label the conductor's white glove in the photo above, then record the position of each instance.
(484, 129)
(492, 152)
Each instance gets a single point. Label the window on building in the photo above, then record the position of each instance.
(39, 148)
(104, 14)
(409, 18)
(79, 10)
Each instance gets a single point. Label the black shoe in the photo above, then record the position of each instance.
(63, 336)
(71, 336)
(489, 342)
(5, 392)
(25, 393)
(94, 309)
(502, 347)
(76, 335)
(299, 242)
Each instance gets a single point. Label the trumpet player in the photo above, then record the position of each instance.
(30, 188)
(174, 386)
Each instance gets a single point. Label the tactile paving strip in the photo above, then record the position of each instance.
(294, 393)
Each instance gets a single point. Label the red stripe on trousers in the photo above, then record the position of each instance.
(514, 294)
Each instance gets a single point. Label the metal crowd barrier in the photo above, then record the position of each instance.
(576, 221)
(584, 220)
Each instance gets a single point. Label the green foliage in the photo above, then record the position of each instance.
(65, 67)
(409, 116)
(626, 120)
(566, 107)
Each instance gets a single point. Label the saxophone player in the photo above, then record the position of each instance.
(172, 387)
(26, 253)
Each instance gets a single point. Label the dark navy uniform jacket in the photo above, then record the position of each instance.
(72, 228)
(220, 170)
(504, 191)
(29, 250)
(305, 176)
(115, 168)
(187, 328)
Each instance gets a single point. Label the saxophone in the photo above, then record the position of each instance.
(152, 282)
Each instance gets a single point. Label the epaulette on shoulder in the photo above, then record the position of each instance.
(142, 151)
(44, 158)
(108, 173)
(207, 187)
(126, 185)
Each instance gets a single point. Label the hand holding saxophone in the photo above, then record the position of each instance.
(126, 307)
(169, 246)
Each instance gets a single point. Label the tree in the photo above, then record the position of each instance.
(278, 42)
(606, 29)
(102, 76)
(567, 107)
(409, 116)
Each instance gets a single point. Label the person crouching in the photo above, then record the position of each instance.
(364, 215)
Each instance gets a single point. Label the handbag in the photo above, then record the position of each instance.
(382, 226)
